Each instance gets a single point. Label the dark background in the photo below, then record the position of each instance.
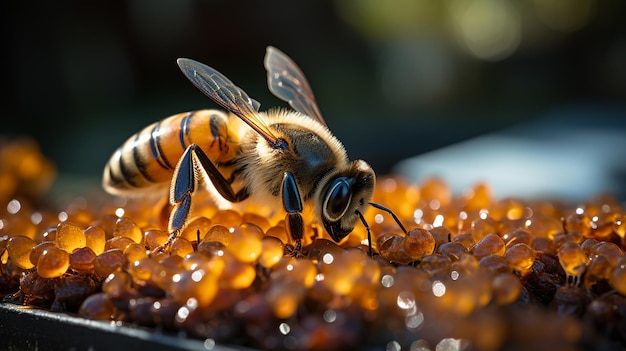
(393, 78)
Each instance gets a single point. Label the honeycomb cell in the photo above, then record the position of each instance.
(53, 262)
(70, 237)
(19, 248)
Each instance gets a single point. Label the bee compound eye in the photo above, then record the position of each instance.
(338, 199)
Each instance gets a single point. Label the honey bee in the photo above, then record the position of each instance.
(283, 157)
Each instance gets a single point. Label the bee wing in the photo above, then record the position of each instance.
(226, 94)
(287, 82)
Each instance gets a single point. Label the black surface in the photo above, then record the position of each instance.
(27, 328)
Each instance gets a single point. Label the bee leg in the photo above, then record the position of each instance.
(185, 182)
(292, 203)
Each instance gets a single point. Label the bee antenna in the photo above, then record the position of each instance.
(383, 208)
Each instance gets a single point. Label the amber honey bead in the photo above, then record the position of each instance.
(453, 250)
(496, 264)
(609, 250)
(70, 237)
(218, 232)
(181, 247)
(279, 232)
(543, 226)
(618, 276)
(465, 239)
(134, 252)
(521, 257)
(419, 243)
(19, 249)
(435, 265)
(481, 227)
(154, 238)
(573, 261)
(436, 190)
(116, 283)
(82, 260)
(598, 272)
(95, 238)
(118, 242)
(516, 236)
(391, 248)
(256, 219)
(199, 285)
(98, 306)
(196, 229)
(506, 288)
(491, 244)
(578, 222)
(39, 248)
(544, 245)
(109, 261)
(227, 218)
(53, 262)
(236, 274)
(272, 251)
(126, 227)
(478, 198)
(143, 268)
(245, 242)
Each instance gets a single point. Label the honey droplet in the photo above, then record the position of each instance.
(20, 248)
(70, 237)
(53, 262)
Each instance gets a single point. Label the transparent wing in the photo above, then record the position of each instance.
(287, 82)
(226, 94)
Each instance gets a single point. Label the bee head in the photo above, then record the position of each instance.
(345, 193)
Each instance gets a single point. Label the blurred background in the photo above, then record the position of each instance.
(394, 79)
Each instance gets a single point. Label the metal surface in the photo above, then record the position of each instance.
(27, 328)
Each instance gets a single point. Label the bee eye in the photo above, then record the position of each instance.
(338, 199)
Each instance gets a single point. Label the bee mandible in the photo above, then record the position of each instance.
(284, 157)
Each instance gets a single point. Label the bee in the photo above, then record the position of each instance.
(283, 157)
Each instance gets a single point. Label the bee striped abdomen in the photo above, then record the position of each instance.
(148, 158)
